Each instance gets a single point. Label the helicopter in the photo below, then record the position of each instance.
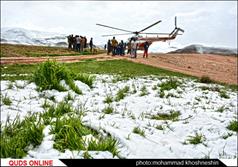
(137, 35)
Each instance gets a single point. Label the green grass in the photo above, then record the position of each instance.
(108, 110)
(154, 87)
(41, 51)
(221, 91)
(221, 109)
(223, 94)
(68, 134)
(197, 139)
(114, 67)
(85, 78)
(108, 144)
(68, 97)
(144, 91)
(56, 112)
(61, 109)
(170, 84)
(45, 105)
(86, 155)
(18, 135)
(109, 99)
(161, 94)
(139, 131)
(49, 74)
(217, 89)
(6, 100)
(233, 125)
(159, 127)
(173, 115)
(10, 85)
(121, 94)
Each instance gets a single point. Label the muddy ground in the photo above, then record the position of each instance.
(217, 67)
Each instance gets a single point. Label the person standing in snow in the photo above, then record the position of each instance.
(146, 47)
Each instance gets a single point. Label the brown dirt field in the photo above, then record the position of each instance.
(217, 67)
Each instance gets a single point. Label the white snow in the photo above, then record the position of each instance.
(198, 115)
(31, 37)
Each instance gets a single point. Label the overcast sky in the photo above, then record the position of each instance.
(209, 23)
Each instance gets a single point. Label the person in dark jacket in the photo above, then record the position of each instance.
(85, 42)
(146, 47)
(109, 47)
(129, 47)
(70, 41)
(91, 44)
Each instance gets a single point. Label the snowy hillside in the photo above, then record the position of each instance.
(163, 47)
(31, 37)
(206, 50)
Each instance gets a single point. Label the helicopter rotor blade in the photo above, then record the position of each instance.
(181, 29)
(115, 34)
(149, 26)
(156, 33)
(175, 21)
(113, 28)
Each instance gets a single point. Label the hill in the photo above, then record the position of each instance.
(200, 49)
(32, 37)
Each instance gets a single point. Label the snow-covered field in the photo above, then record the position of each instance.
(202, 112)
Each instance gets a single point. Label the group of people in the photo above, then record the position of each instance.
(115, 47)
(132, 46)
(79, 43)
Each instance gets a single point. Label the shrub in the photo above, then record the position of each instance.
(198, 138)
(223, 94)
(159, 127)
(233, 126)
(144, 91)
(137, 130)
(108, 110)
(205, 79)
(173, 115)
(49, 74)
(7, 101)
(122, 93)
(170, 84)
(109, 99)
(221, 109)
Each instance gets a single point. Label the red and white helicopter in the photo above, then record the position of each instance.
(141, 40)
